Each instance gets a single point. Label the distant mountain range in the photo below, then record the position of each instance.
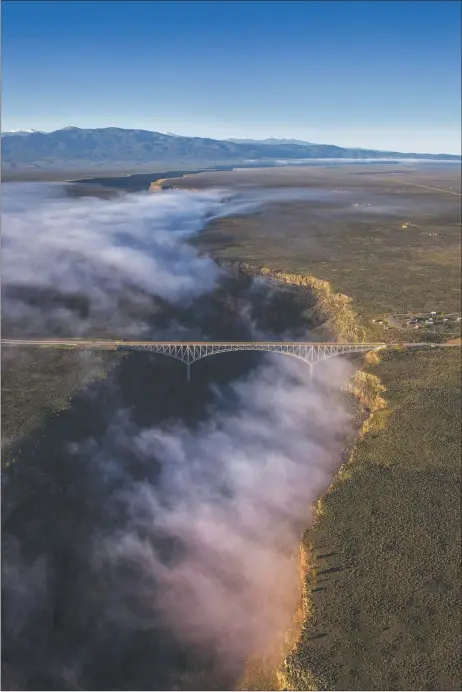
(271, 140)
(116, 149)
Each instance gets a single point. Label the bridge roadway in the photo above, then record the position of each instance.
(189, 352)
(311, 352)
(114, 344)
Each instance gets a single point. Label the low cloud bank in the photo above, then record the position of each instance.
(88, 265)
(172, 533)
(193, 539)
(232, 497)
(103, 253)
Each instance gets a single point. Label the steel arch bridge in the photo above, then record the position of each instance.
(190, 352)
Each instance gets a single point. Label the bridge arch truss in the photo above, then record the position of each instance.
(189, 353)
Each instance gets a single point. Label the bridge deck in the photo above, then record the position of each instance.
(188, 352)
(86, 343)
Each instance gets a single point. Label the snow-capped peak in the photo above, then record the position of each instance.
(21, 132)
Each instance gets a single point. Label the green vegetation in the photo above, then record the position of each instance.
(370, 257)
(382, 598)
(381, 606)
(38, 380)
(359, 263)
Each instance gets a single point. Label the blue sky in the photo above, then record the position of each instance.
(369, 74)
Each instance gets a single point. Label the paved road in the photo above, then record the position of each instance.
(426, 187)
(427, 343)
(111, 345)
(75, 343)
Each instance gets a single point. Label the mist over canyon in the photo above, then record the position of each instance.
(151, 529)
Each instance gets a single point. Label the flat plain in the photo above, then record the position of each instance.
(384, 555)
(382, 582)
(387, 236)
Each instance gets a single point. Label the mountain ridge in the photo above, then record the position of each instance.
(73, 148)
(270, 140)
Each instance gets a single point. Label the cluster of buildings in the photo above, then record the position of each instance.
(424, 320)
(432, 318)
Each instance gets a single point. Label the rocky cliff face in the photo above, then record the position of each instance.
(335, 310)
(161, 184)
(155, 187)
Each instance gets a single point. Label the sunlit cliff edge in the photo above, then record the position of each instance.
(368, 393)
(281, 669)
(397, 488)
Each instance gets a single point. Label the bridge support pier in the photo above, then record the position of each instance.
(188, 372)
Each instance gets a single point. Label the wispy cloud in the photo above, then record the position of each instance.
(105, 252)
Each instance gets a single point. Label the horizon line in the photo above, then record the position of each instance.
(226, 139)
